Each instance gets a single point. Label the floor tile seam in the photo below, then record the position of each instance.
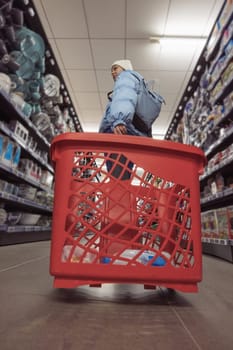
(186, 328)
(23, 263)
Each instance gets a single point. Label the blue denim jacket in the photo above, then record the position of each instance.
(121, 109)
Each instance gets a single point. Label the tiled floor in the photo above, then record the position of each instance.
(34, 316)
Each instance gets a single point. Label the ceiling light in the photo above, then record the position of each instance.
(157, 39)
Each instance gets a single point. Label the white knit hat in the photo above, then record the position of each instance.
(125, 64)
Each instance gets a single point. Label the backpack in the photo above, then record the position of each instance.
(148, 106)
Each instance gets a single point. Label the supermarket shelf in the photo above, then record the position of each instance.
(22, 176)
(23, 201)
(219, 37)
(221, 141)
(223, 251)
(219, 197)
(218, 167)
(26, 236)
(11, 134)
(222, 241)
(9, 109)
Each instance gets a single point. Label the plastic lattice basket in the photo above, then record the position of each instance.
(126, 210)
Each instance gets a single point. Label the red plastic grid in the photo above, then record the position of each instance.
(110, 223)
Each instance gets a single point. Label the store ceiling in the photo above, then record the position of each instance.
(88, 35)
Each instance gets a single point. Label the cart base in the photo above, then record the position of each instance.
(73, 283)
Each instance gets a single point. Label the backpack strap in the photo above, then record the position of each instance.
(137, 122)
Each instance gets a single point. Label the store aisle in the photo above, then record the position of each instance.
(123, 317)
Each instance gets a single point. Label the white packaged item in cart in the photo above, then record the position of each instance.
(78, 254)
(144, 257)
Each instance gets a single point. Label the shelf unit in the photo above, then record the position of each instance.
(14, 178)
(205, 113)
(10, 233)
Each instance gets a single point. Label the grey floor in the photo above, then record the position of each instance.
(34, 316)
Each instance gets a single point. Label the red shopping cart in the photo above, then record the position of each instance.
(126, 210)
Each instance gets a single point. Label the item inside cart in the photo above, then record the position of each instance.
(142, 230)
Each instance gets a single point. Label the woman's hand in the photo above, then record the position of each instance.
(120, 130)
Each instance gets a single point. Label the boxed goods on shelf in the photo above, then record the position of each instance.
(223, 230)
(230, 221)
(29, 219)
(19, 130)
(209, 224)
(27, 191)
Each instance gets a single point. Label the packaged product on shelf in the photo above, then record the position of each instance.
(29, 219)
(16, 155)
(7, 151)
(3, 185)
(229, 182)
(18, 101)
(26, 191)
(228, 103)
(32, 144)
(214, 37)
(229, 47)
(219, 179)
(5, 83)
(3, 214)
(230, 220)
(209, 224)
(44, 198)
(44, 221)
(13, 217)
(222, 218)
(1, 144)
(47, 178)
(19, 130)
(227, 75)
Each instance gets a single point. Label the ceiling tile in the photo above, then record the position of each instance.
(188, 17)
(56, 53)
(43, 18)
(143, 54)
(146, 18)
(92, 116)
(75, 53)
(105, 81)
(104, 100)
(106, 51)
(90, 127)
(87, 36)
(176, 54)
(106, 18)
(66, 18)
(82, 80)
(88, 100)
(170, 100)
(170, 81)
